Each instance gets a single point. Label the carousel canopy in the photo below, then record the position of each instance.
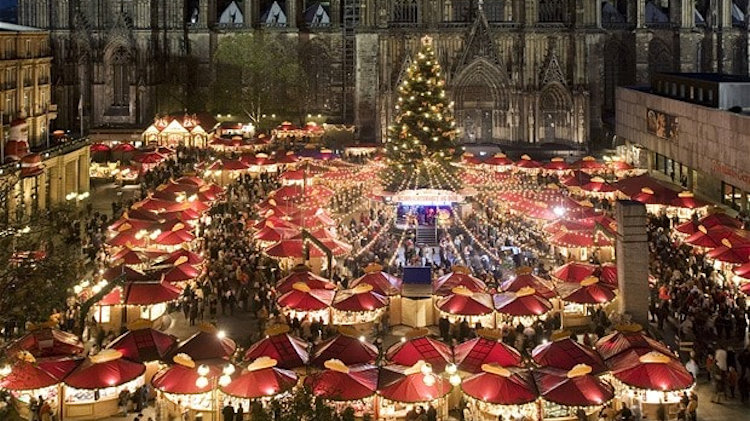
(382, 283)
(576, 387)
(650, 371)
(47, 342)
(181, 379)
(566, 353)
(420, 348)
(261, 379)
(472, 354)
(463, 302)
(207, 344)
(630, 339)
(406, 384)
(289, 351)
(497, 385)
(346, 348)
(361, 298)
(103, 370)
(344, 383)
(143, 345)
(303, 298)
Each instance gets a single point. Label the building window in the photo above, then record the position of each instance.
(405, 11)
(120, 82)
(711, 95)
(551, 11)
(731, 195)
(700, 94)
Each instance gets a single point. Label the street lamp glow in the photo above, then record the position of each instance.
(559, 211)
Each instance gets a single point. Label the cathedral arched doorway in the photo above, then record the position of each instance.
(556, 115)
(481, 102)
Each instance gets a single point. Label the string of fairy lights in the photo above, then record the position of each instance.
(385, 228)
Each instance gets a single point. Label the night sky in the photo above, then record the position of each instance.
(8, 10)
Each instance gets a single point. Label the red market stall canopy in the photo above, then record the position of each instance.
(128, 238)
(208, 344)
(181, 378)
(149, 158)
(634, 185)
(422, 348)
(361, 298)
(106, 369)
(498, 385)
(261, 379)
(709, 221)
(576, 387)
(576, 179)
(345, 347)
(303, 274)
(472, 354)
(573, 272)
(524, 278)
(289, 351)
(742, 271)
(499, 160)
(588, 163)
(687, 200)
(47, 342)
(565, 353)
(584, 238)
(28, 374)
(271, 233)
(557, 164)
(729, 253)
(527, 163)
(629, 338)
(131, 275)
(175, 237)
(342, 383)
(713, 237)
(463, 302)
(302, 298)
(459, 277)
(648, 196)
(179, 273)
(228, 165)
(524, 302)
(181, 256)
(142, 343)
(407, 384)
(589, 291)
(598, 185)
(651, 371)
(141, 294)
(130, 256)
(382, 283)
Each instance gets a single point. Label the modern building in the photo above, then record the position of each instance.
(25, 80)
(693, 128)
(521, 72)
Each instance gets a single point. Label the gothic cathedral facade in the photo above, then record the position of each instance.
(519, 71)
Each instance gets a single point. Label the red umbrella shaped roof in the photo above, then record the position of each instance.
(347, 349)
(355, 383)
(359, 299)
(566, 353)
(382, 282)
(410, 388)
(30, 376)
(540, 285)
(207, 345)
(621, 341)
(651, 371)
(180, 379)
(713, 237)
(261, 382)
(574, 272)
(501, 386)
(422, 348)
(141, 294)
(445, 284)
(143, 345)
(589, 291)
(47, 342)
(304, 275)
(588, 163)
(569, 388)
(302, 298)
(465, 303)
(470, 355)
(107, 373)
(287, 350)
(729, 254)
(525, 302)
(175, 256)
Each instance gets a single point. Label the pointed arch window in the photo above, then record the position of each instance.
(405, 11)
(120, 77)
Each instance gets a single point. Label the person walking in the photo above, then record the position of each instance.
(228, 412)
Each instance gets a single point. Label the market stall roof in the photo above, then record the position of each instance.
(294, 248)
(181, 379)
(628, 338)
(152, 157)
(648, 196)
(588, 163)
(131, 256)
(127, 238)
(498, 160)
(651, 371)
(303, 298)
(472, 354)
(573, 272)
(106, 369)
(588, 291)
(207, 344)
(345, 347)
(144, 344)
(524, 278)
(261, 379)
(406, 384)
(175, 237)
(178, 273)
(524, 302)
(228, 165)
(359, 299)
(463, 302)
(557, 164)
(288, 350)
(275, 234)
(713, 237)
(344, 383)
(141, 294)
(709, 221)
(181, 255)
(598, 185)
(576, 387)
(742, 271)
(584, 238)
(192, 180)
(527, 163)
(459, 277)
(576, 179)
(634, 185)
(423, 348)
(565, 353)
(382, 282)
(687, 200)
(303, 274)
(729, 253)
(47, 342)
(498, 385)
(32, 375)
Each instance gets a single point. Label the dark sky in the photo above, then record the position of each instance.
(8, 10)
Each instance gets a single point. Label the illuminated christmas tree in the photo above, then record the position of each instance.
(421, 141)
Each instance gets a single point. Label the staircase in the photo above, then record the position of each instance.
(427, 235)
